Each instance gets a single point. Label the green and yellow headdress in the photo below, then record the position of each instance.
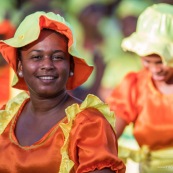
(154, 33)
(28, 31)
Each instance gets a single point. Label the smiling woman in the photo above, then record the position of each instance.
(44, 129)
(144, 98)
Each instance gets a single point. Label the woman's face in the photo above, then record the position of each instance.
(45, 64)
(159, 71)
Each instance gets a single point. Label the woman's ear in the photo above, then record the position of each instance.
(19, 69)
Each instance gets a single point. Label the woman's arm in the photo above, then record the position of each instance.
(120, 126)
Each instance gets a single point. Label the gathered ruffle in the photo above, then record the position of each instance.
(11, 109)
(91, 101)
(102, 165)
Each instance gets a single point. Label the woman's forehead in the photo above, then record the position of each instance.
(48, 37)
(152, 56)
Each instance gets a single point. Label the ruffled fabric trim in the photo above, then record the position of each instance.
(91, 101)
(101, 165)
(71, 112)
(11, 109)
(151, 160)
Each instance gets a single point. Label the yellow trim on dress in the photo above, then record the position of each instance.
(157, 161)
(11, 109)
(71, 112)
(90, 101)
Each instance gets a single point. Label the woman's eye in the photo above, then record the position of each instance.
(159, 62)
(36, 57)
(57, 57)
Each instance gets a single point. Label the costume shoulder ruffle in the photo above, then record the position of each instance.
(91, 101)
(11, 109)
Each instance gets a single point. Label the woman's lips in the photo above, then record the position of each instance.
(47, 79)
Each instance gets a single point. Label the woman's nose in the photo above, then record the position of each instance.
(155, 69)
(47, 63)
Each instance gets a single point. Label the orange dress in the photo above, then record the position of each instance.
(7, 31)
(4, 84)
(136, 100)
(90, 143)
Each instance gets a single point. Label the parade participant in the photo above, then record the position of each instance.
(44, 129)
(145, 97)
(7, 30)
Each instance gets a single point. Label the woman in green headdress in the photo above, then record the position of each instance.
(145, 97)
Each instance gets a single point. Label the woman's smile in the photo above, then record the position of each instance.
(47, 79)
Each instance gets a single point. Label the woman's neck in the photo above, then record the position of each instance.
(41, 105)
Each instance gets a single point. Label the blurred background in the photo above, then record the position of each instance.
(99, 26)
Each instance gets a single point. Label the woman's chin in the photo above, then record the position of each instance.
(158, 78)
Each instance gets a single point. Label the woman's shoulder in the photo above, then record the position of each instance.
(91, 108)
(10, 109)
(136, 75)
(16, 101)
(134, 78)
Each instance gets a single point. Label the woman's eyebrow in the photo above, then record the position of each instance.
(41, 50)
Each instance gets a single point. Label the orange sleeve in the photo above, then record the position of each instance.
(4, 84)
(94, 143)
(123, 98)
(2, 107)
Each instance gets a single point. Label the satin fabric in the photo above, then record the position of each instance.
(91, 143)
(136, 100)
(7, 30)
(4, 84)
